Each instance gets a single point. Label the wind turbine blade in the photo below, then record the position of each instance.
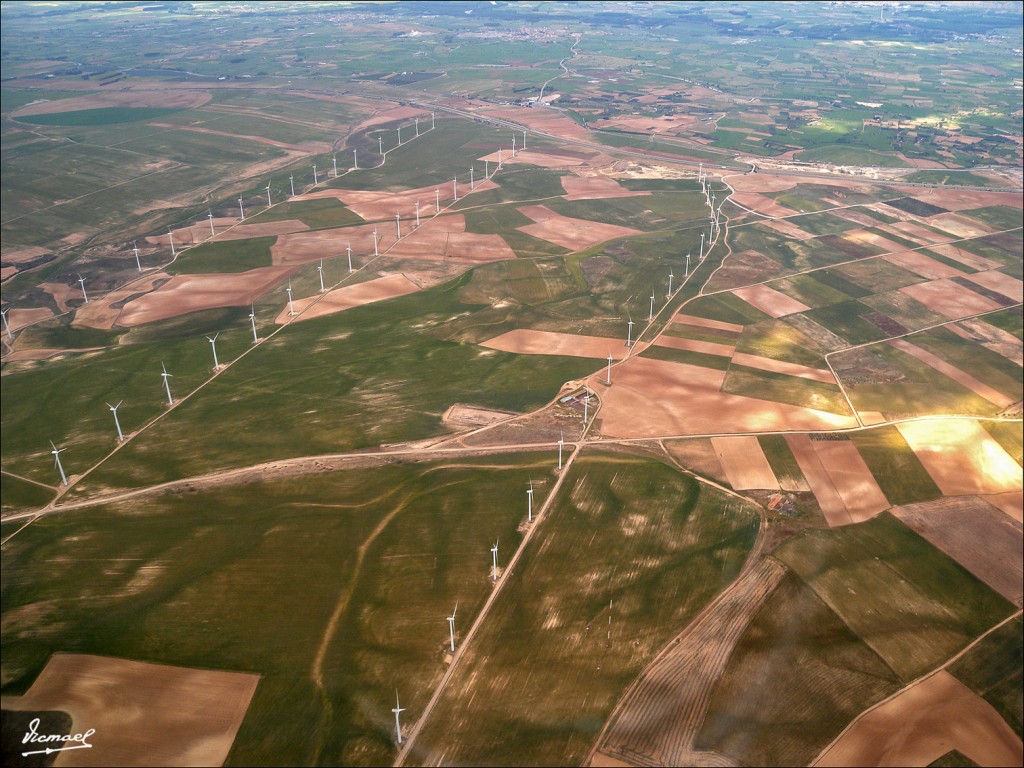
(53, 446)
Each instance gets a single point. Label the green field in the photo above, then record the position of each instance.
(224, 256)
(895, 467)
(634, 542)
(102, 116)
(993, 670)
(249, 578)
(322, 213)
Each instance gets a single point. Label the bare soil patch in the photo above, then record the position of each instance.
(977, 535)
(922, 265)
(946, 369)
(761, 204)
(949, 299)
(143, 714)
(103, 313)
(693, 345)
(965, 199)
(523, 341)
(1011, 504)
(770, 301)
(1000, 282)
(18, 318)
(181, 99)
(190, 293)
(460, 415)
(971, 260)
(574, 234)
(61, 293)
(961, 457)
(349, 296)
(787, 228)
(654, 398)
(703, 322)
(824, 490)
(851, 478)
(698, 455)
(922, 723)
(303, 247)
(545, 120)
(990, 337)
(744, 268)
(595, 188)
(960, 225)
(870, 238)
(22, 253)
(744, 463)
(377, 204)
(916, 232)
(780, 366)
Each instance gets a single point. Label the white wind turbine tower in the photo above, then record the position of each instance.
(355, 160)
(113, 410)
(167, 386)
(494, 561)
(348, 249)
(56, 455)
(651, 317)
(7, 328)
(701, 246)
(252, 321)
(291, 307)
(170, 239)
(472, 184)
(608, 380)
(586, 405)
(687, 266)
(561, 443)
(291, 181)
(417, 127)
(451, 628)
(398, 226)
(529, 503)
(375, 253)
(81, 281)
(670, 276)
(241, 209)
(320, 271)
(334, 159)
(268, 195)
(417, 214)
(380, 145)
(209, 215)
(455, 188)
(513, 145)
(487, 173)
(398, 709)
(431, 121)
(213, 346)
(629, 333)
(499, 158)
(437, 200)
(138, 263)
(399, 135)
(524, 139)
(315, 180)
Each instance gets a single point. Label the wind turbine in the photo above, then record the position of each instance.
(213, 346)
(586, 405)
(437, 200)
(399, 135)
(113, 410)
(451, 628)
(687, 266)
(320, 270)
(241, 209)
(268, 195)
(334, 159)
(252, 321)
(417, 214)
(524, 139)
(702, 246)
(167, 386)
(494, 561)
(398, 709)
(487, 174)
(561, 442)
(472, 184)
(417, 127)
(291, 180)
(380, 145)
(315, 181)
(455, 188)
(170, 239)
(56, 455)
(499, 158)
(629, 333)
(291, 307)
(355, 160)
(348, 248)
(651, 318)
(608, 381)
(7, 328)
(513, 144)
(431, 121)
(375, 242)
(81, 281)
(398, 226)
(529, 504)
(209, 215)
(670, 276)
(137, 262)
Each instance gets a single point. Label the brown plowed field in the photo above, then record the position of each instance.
(990, 337)
(349, 296)
(744, 463)
(1011, 504)
(922, 723)
(829, 500)
(371, 205)
(977, 535)
(523, 341)
(762, 204)
(703, 322)
(770, 301)
(183, 99)
(61, 293)
(543, 119)
(662, 712)
(851, 478)
(650, 398)
(304, 247)
(961, 457)
(693, 345)
(968, 259)
(787, 228)
(102, 314)
(913, 231)
(922, 265)
(143, 714)
(265, 229)
(979, 388)
(964, 199)
(190, 293)
(949, 299)
(780, 366)
(18, 318)
(1000, 282)
(574, 234)
(595, 188)
(870, 238)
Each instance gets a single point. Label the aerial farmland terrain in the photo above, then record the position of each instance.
(512, 383)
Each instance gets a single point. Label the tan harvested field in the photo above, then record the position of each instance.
(574, 234)
(968, 259)
(693, 345)
(143, 714)
(914, 231)
(349, 296)
(181, 99)
(102, 313)
(935, 362)
(1000, 282)
(703, 322)
(18, 318)
(744, 463)
(961, 457)
(645, 124)
(543, 119)
(523, 341)
(661, 714)
(824, 490)
(303, 247)
(372, 205)
(963, 199)
(445, 238)
(265, 229)
(1011, 503)
(595, 188)
(949, 299)
(851, 479)
(697, 455)
(787, 228)
(655, 398)
(61, 293)
(960, 225)
(980, 537)
(22, 253)
(770, 301)
(871, 238)
(541, 158)
(780, 366)
(990, 337)
(922, 265)
(760, 183)
(761, 204)
(922, 723)
(190, 293)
